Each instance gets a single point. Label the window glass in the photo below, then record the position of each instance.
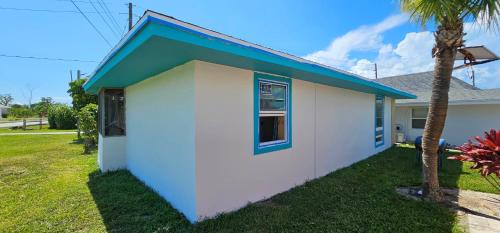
(272, 112)
(379, 136)
(272, 97)
(379, 111)
(379, 120)
(272, 119)
(419, 112)
(272, 128)
(418, 123)
(419, 116)
(114, 112)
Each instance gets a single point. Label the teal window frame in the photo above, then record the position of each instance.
(259, 78)
(382, 141)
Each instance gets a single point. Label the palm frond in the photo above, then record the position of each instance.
(450, 13)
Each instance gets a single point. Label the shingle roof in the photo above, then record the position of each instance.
(420, 84)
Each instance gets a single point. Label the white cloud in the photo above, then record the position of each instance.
(412, 54)
(364, 38)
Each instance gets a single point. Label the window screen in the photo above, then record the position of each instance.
(113, 112)
(272, 112)
(379, 120)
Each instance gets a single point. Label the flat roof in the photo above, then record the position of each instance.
(159, 42)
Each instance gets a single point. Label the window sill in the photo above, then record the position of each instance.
(112, 136)
(270, 148)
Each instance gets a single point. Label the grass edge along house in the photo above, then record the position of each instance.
(211, 122)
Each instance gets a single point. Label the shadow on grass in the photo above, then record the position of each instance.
(127, 205)
(359, 198)
(448, 175)
(77, 141)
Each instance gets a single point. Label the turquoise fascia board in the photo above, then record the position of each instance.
(134, 41)
(168, 30)
(256, 109)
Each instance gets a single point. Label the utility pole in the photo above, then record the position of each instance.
(71, 75)
(473, 79)
(130, 16)
(78, 131)
(376, 72)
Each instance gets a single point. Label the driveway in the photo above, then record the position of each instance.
(40, 133)
(20, 124)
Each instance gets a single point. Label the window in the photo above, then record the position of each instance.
(271, 113)
(112, 112)
(418, 117)
(379, 120)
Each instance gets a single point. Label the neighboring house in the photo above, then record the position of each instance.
(3, 110)
(471, 110)
(211, 122)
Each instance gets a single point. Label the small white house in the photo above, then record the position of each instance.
(211, 122)
(471, 110)
(3, 110)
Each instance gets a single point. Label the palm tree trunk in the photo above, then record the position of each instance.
(448, 40)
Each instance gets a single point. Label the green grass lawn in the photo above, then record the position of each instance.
(48, 185)
(35, 129)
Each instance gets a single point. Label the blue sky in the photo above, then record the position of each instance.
(344, 34)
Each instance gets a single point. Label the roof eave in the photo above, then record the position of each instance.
(150, 16)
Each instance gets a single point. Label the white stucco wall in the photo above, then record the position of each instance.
(111, 153)
(345, 127)
(161, 136)
(190, 137)
(462, 122)
(331, 128)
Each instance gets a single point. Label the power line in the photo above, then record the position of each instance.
(44, 10)
(103, 19)
(124, 31)
(90, 22)
(103, 5)
(45, 58)
(80, 1)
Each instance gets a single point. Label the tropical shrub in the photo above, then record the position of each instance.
(485, 155)
(21, 112)
(51, 117)
(42, 107)
(61, 117)
(88, 124)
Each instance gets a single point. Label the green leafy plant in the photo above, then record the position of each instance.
(61, 117)
(42, 107)
(88, 124)
(51, 117)
(79, 97)
(22, 112)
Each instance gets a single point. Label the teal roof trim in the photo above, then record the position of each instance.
(154, 36)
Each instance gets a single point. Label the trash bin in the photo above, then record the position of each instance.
(441, 151)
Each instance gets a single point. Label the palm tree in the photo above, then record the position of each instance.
(449, 16)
